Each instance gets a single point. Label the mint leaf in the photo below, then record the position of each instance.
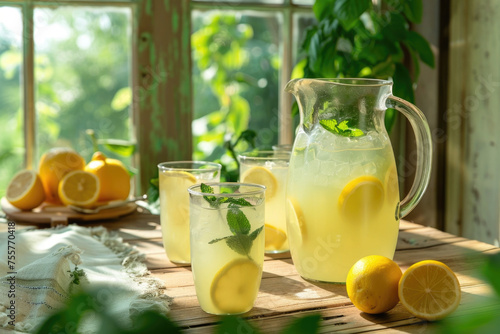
(237, 221)
(342, 129)
(217, 240)
(238, 201)
(330, 125)
(212, 200)
(255, 233)
(240, 243)
(205, 188)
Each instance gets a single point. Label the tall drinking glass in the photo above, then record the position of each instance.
(227, 245)
(175, 178)
(270, 168)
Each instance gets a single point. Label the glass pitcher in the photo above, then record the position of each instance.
(342, 192)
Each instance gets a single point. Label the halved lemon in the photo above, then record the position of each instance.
(79, 188)
(261, 175)
(274, 237)
(295, 219)
(235, 287)
(25, 190)
(361, 199)
(173, 188)
(429, 290)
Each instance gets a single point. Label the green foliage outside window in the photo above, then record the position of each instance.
(235, 77)
(360, 39)
(82, 75)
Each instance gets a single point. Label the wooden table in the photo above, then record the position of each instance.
(284, 294)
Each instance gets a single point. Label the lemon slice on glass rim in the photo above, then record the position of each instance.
(169, 186)
(261, 175)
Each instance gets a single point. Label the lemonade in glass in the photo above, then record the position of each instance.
(270, 168)
(342, 204)
(227, 245)
(174, 180)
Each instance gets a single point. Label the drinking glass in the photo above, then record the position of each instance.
(283, 147)
(270, 168)
(175, 178)
(227, 245)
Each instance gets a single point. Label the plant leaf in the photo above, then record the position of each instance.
(306, 324)
(421, 46)
(491, 270)
(322, 9)
(237, 221)
(121, 147)
(403, 85)
(396, 29)
(231, 324)
(413, 9)
(349, 11)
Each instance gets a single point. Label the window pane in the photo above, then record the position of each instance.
(11, 115)
(236, 64)
(244, 1)
(82, 74)
(301, 22)
(303, 2)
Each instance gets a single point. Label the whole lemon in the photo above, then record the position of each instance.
(54, 165)
(113, 176)
(372, 284)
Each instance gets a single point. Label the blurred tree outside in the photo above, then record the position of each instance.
(82, 78)
(236, 63)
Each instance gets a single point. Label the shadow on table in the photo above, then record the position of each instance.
(298, 288)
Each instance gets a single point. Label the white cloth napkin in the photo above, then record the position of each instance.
(44, 260)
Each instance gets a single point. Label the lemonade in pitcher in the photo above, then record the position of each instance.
(342, 186)
(352, 196)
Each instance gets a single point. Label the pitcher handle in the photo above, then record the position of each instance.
(424, 149)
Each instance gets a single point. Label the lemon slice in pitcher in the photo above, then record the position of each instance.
(361, 199)
(262, 176)
(295, 219)
(235, 287)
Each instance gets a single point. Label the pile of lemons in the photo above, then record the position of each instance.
(64, 178)
(428, 289)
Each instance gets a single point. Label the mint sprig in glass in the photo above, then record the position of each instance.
(227, 245)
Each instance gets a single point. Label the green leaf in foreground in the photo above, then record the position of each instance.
(307, 324)
(342, 129)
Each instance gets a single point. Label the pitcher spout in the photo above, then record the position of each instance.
(291, 86)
